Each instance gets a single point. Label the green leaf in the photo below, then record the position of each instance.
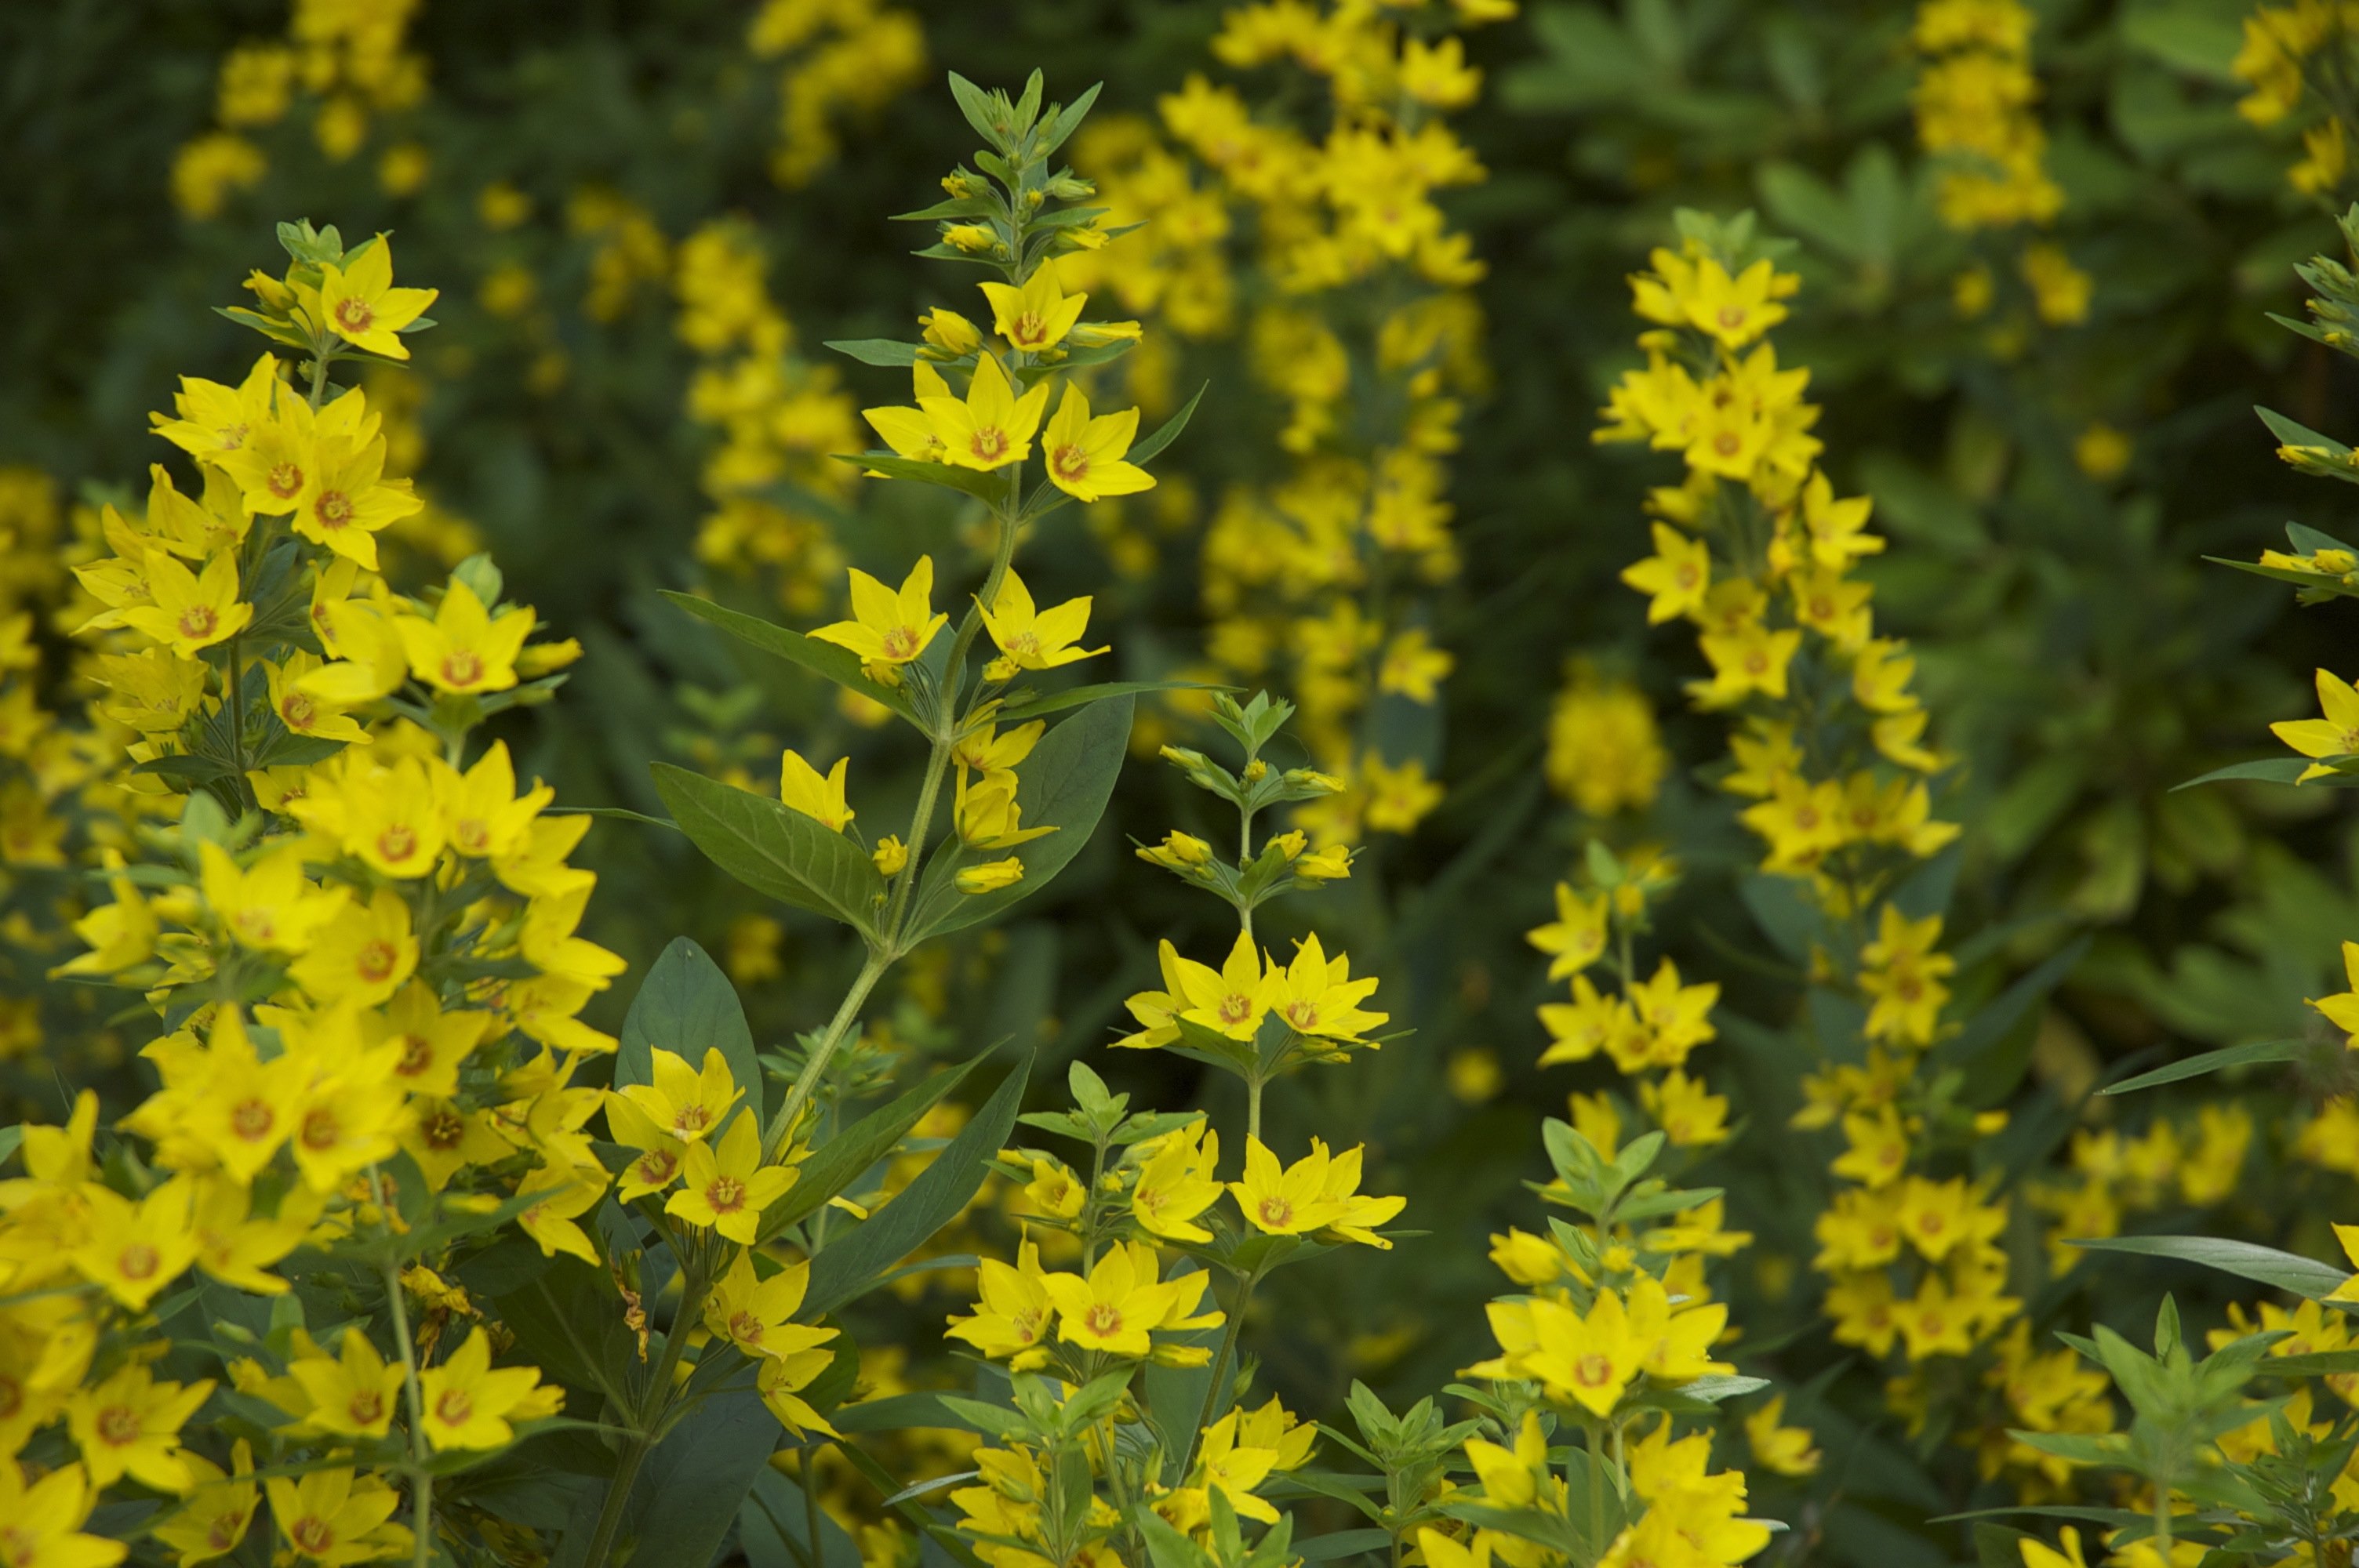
(773, 849)
(689, 1490)
(1998, 1016)
(835, 1165)
(841, 665)
(1031, 704)
(2291, 434)
(1341, 1543)
(900, 1412)
(989, 488)
(975, 104)
(11, 1139)
(1065, 782)
(565, 1317)
(847, 1270)
(1169, 432)
(2272, 769)
(888, 352)
(2245, 1259)
(686, 1006)
(1068, 120)
(2212, 1062)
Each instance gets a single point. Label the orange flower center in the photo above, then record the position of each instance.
(443, 1129)
(118, 1425)
(1593, 1371)
(251, 1118)
(198, 620)
(312, 1535)
(726, 1195)
(745, 1328)
(1103, 1319)
(1234, 1008)
(353, 315)
(297, 710)
(397, 842)
(454, 1407)
(464, 667)
(1276, 1213)
(1726, 443)
(1070, 463)
(1303, 1015)
(416, 1054)
(284, 480)
(375, 961)
(333, 509)
(901, 642)
(691, 1119)
(990, 443)
(657, 1167)
(320, 1129)
(366, 1407)
(137, 1261)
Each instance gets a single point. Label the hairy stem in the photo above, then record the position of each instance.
(806, 1084)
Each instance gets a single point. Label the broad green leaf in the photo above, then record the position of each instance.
(1168, 431)
(847, 1270)
(835, 1165)
(899, 1412)
(1066, 782)
(2272, 769)
(887, 351)
(686, 1006)
(689, 1490)
(2245, 1259)
(841, 665)
(1341, 1543)
(773, 849)
(2214, 1062)
(1031, 704)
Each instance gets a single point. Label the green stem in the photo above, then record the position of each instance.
(1220, 1369)
(1253, 1107)
(1596, 1496)
(654, 1403)
(806, 1081)
(2162, 1520)
(421, 1479)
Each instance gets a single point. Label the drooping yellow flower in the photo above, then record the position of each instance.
(1087, 458)
(1030, 638)
(360, 304)
(889, 628)
(990, 876)
(1035, 317)
(991, 427)
(819, 798)
(727, 1187)
(465, 648)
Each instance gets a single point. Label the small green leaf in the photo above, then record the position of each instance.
(686, 1006)
(2212, 1062)
(2245, 1259)
(774, 850)
(989, 488)
(1169, 432)
(2272, 770)
(886, 352)
(1031, 704)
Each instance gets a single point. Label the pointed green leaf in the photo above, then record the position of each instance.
(2212, 1062)
(2245, 1259)
(888, 352)
(835, 1165)
(2272, 769)
(841, 665)
(990, 488)
(686, 1006)
(1169, 432)
(773, 849)
(847, 1269)
(1031, 704)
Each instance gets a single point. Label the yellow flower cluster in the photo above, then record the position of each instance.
(1323, 569)
(1973, 99)
(2282, 49)
(849, 56)
(778, 418)
(349, 57)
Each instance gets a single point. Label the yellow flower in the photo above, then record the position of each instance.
(359, 305)
(993, 426)
(45, 1519)
(888, 628)
(1576, 938)
(683, 1102)
(467, 1401)
(890, 855)
(333, 1517)
(1589, 1360)
(465, 648)
(268, 905)
(363, 955)
(1317, 997)
(1035, 317)
(751, 1313)
(949, 331)
(134, 1250)
(562, 1195)
(217, 1515)
(990, 876)
(1015, 1312)
(1318, 1192)
(909, 431)
(1398, 798)
(1122, 1302)
(2066, 1554)
(2335, 735)
(1030, 638)
(347, 501)
(727, 1188)
(1176, 1183)
(130, 1424)
(353, 1394)
(801, 788)
(189, 611)
(1087, 457)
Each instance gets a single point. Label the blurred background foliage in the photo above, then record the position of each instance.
(644, 218)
